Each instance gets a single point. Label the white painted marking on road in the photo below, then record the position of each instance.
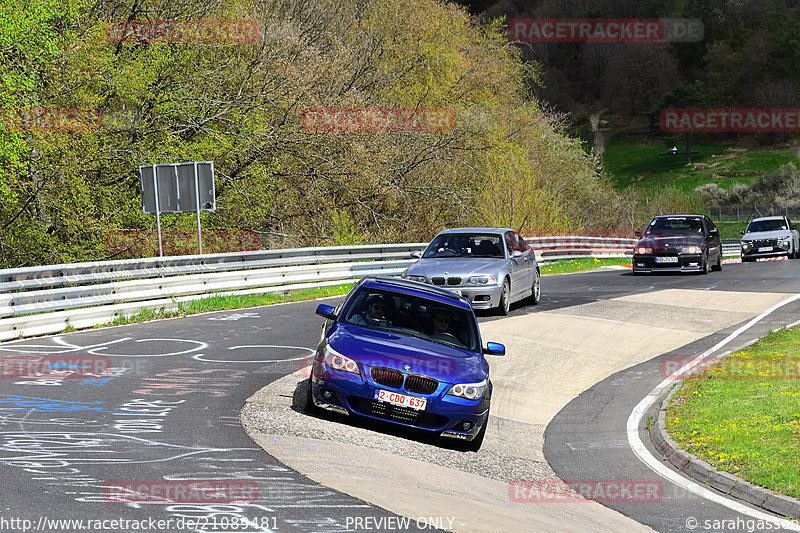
(200, 356)
(235, 316)
(60, 346)
(640, 450)
(576, 446)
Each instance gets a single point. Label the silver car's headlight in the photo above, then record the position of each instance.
(746, 244)
(421, 279)
(470, 391)
(482, 280)
(786, 243)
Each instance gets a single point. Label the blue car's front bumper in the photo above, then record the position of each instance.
(444, 414)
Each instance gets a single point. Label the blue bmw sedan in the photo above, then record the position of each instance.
(407, 353)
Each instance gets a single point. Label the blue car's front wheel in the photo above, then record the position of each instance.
(310, 407)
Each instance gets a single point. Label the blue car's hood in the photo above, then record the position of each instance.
(370, 347)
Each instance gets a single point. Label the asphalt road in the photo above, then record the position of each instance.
(167, 415)
(587, 439)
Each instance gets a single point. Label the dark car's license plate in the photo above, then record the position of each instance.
(666, 259)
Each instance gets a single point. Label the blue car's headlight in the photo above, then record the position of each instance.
(470, 391)
(482, 280)
(421, 279)
(340, 362)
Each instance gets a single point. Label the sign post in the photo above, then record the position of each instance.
(178, 188)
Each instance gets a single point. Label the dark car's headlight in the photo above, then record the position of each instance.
(340, 362)
(691, 250)
(482, 280)
(470, 391)
(644, 250)
(421, 279)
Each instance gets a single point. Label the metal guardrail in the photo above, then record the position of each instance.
(731, 247)
(46, 299)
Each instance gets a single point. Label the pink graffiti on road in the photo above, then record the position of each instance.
(180, 381)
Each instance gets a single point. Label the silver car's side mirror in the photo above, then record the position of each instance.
(416, 254)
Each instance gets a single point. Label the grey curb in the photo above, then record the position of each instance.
(706, 474)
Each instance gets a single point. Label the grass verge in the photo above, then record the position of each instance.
(742, 414)
(576, 265)
(222, 303)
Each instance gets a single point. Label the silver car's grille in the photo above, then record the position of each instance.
(765, 242)
(440, 280)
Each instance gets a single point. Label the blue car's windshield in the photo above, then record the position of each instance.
(465, 245)
(767, 225)
(410, 315)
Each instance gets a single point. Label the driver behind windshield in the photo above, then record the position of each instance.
(441, 322)
(374, 314)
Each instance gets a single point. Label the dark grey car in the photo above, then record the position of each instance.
(493, 267)
(679, 243)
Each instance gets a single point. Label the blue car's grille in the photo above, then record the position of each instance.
(388, 377)
(396, 413)
(421, 384)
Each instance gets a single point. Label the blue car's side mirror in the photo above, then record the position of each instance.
(326, 311)
(494, 348)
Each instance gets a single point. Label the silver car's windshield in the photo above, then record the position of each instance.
(774, 224)
(413, 316)
(465, 245)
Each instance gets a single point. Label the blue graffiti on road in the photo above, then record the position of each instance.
(15, 402)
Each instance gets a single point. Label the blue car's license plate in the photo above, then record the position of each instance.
(395, 398)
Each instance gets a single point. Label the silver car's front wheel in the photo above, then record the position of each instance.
(505, 299)
(536, 289)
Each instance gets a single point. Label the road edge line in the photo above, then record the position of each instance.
(644, 406)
